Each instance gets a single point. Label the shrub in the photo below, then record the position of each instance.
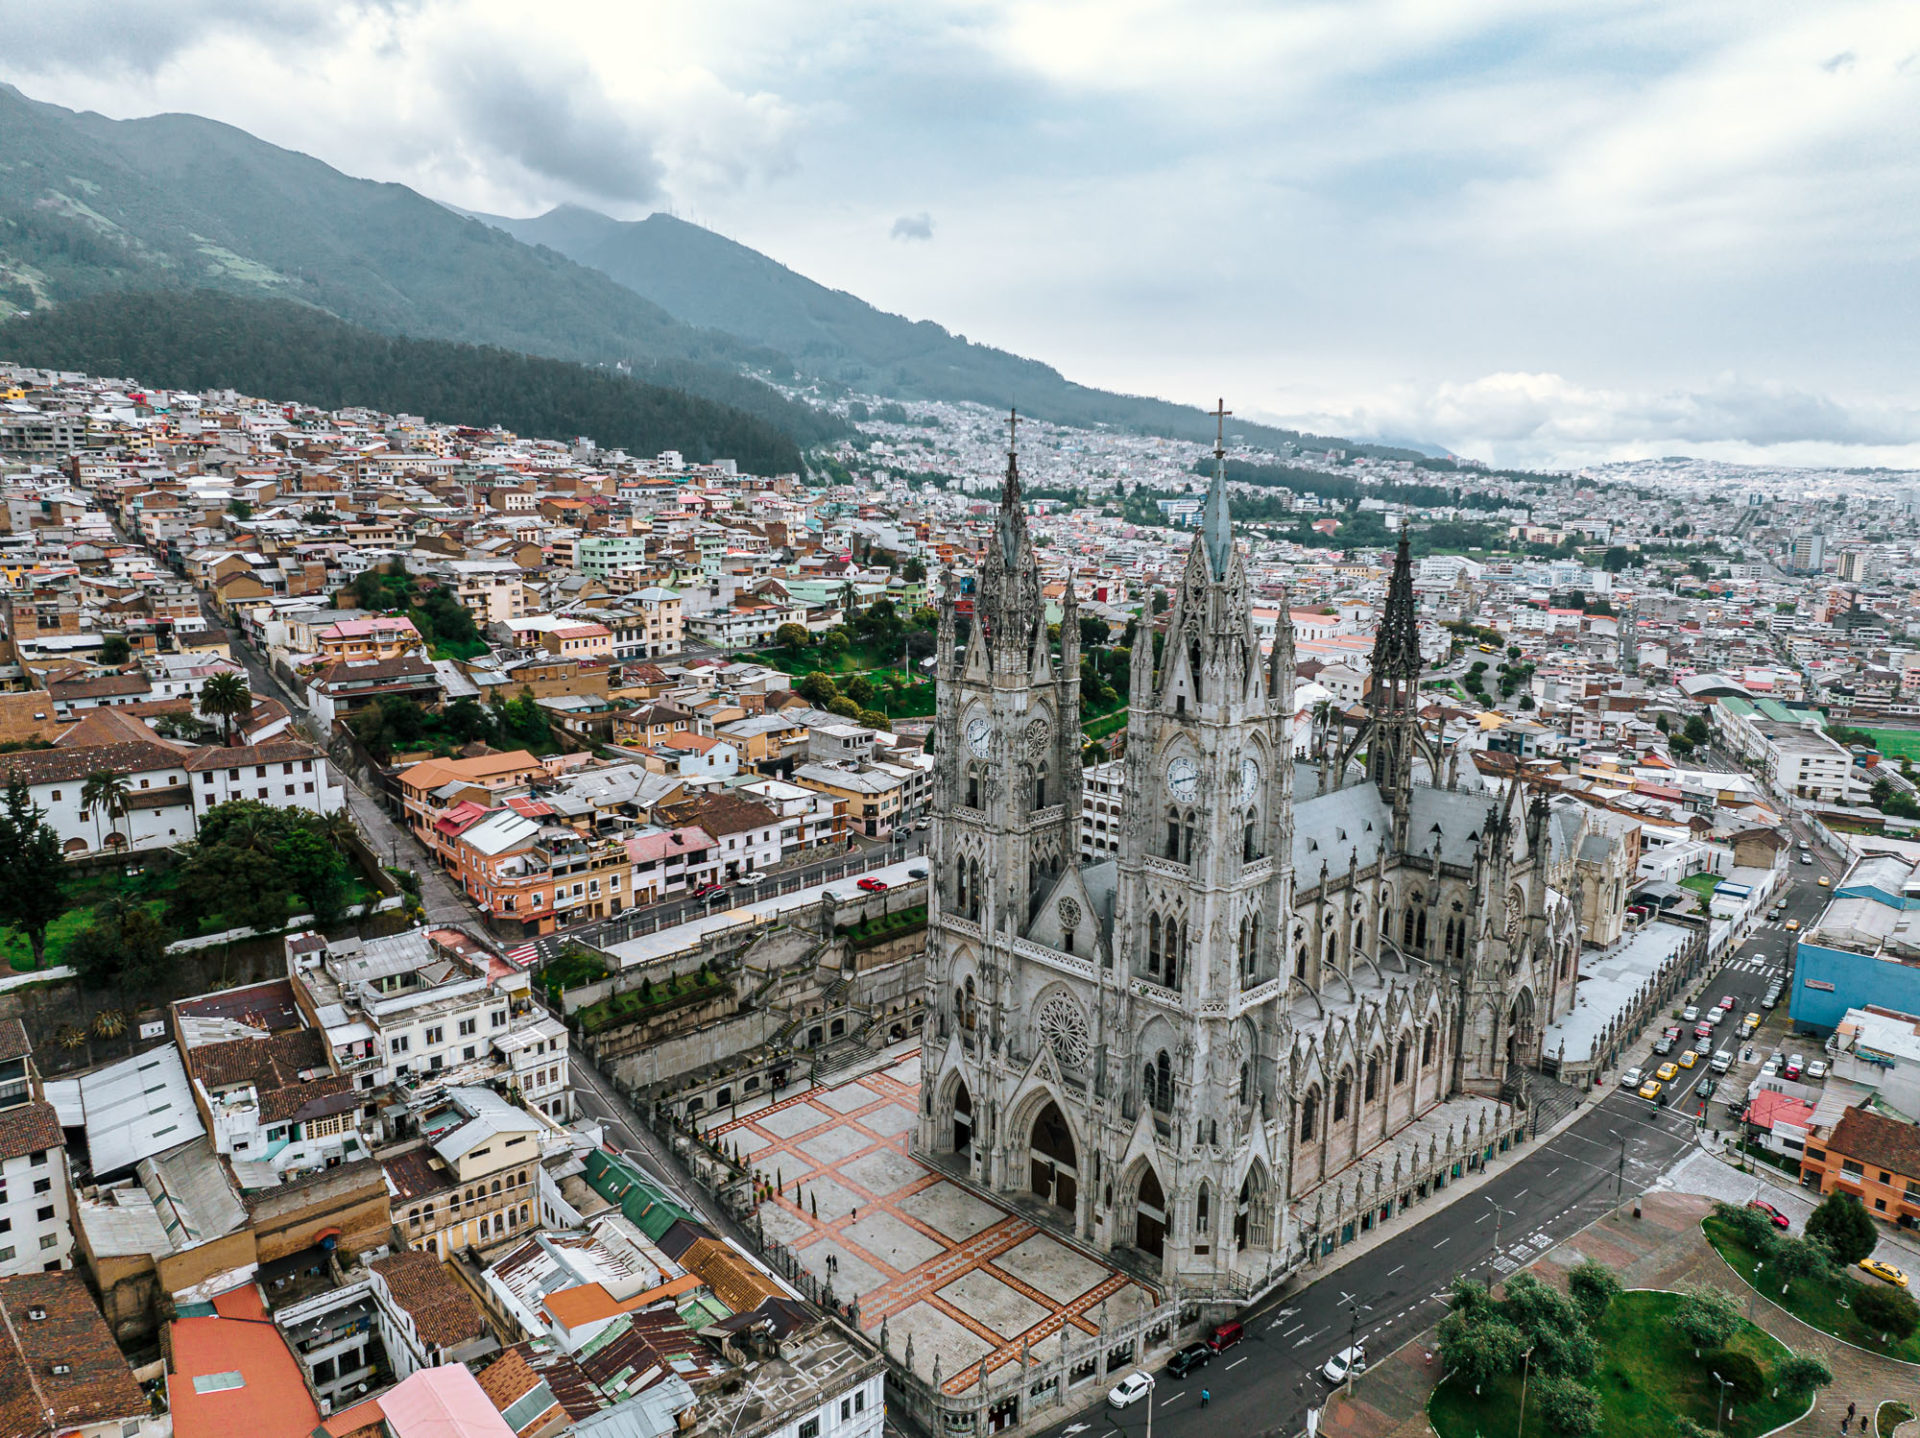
(1801, 1373)
(1706, 1317)
(1888, 1311)
(1749, 1380)
(1480, 1346)
(1750, 1227)
(1593, 1286)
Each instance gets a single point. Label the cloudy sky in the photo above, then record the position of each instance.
(1532, 232)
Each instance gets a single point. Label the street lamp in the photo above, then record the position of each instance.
(1719, 1418)
(1354, 1305)
(1498, 1214)
(1525, 1364)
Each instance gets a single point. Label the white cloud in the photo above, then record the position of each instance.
(912, 227)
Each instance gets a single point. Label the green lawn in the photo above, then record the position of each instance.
(1646, 1379)
(1816, 1303)
(1701, 884)
(1896, 743)
(1108, 724)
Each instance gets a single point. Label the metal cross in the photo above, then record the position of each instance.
(1220, 414)
(1013, 420)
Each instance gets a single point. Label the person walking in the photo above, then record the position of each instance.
(1205, 1398)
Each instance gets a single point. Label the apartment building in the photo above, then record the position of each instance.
(1873, 1157)
(472, 1177)
(428, 789)
(35, 1230)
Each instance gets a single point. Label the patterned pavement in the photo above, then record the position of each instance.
(970, 1283)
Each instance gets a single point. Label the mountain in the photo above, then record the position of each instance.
(89, 204)
(715, 283)
(277, 349)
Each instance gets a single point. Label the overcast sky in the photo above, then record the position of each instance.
(1535, 233)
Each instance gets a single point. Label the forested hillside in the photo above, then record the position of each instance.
(202, 339)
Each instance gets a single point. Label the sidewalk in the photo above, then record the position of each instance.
(1662, 1249)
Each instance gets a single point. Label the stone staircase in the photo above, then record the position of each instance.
(1552, 1101)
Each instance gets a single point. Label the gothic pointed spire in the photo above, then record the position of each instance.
(1012, 517)
(1396, 648)
(1216, 526)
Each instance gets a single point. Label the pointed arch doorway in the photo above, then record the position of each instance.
(962, 1119)
(1055, 1175)
(1150, 1215)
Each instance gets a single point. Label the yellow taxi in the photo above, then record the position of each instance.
(1651, 1089)
(1688, 1059)
(1793, 926)
(1753, 1019)
(1879, 1268)
(1824, 882)
(1666, 1073)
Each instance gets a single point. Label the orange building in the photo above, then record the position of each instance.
(1872, 1157)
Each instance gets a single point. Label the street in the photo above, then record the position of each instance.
(1612, 1152)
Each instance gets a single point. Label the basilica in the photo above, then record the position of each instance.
(1197, 1056)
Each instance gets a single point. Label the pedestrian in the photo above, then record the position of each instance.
(1851, 1409)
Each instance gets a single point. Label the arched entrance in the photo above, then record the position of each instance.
(1520, 1035)
(1150, 1216)
(962, 1118)
(1051, 1157)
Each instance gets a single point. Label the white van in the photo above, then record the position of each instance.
(1722, 1061)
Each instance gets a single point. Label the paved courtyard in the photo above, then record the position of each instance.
(966, 1281)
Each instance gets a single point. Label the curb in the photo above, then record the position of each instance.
(1883, 1357)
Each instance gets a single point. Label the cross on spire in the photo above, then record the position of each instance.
(1220, 414)
(1013, 422)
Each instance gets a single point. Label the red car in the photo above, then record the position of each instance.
(872, 886)
(1703, 1031)
(1779, 1219)
(707, 891)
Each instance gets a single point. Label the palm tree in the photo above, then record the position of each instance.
(104, 792)
(109, 1024)
(226, 697)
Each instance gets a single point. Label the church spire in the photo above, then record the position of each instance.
(1396, 648)
(1216, 526)
(1012, 521)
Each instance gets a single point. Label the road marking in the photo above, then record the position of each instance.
(1444, 1242)
(1392, 1271)
(1293, 1330)
(1483, 1218)
(1521, 1194)
(1303, 1342)
(1181, 1394)
(1237, 1362)
(1073, 1428)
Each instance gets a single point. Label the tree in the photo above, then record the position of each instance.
(915, 570)
(1741, 1370)
(114, 650)
(1799, 1258)
(1752, 1229)
(1569, 1407)
(1526, 701)
(1616, 559)
(818, 690)
(1890, 1312)
(836, 642)
(1696, 729)
(1094, 631)
(874, 719)
(1554, 1326)
(1593, 1286)
(1478, 1348)
(239, 509)
(792, 636)
(1800, 1374)
(860, 690)
(226, 697)
(33, 869)
(1706, 1317)
(844, 707)
(1844, 1225)
(104, 792)
(1660, 723)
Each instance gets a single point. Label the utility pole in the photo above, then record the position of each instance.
(1525, 1363)
(1620, 1177)
(1498, 1214)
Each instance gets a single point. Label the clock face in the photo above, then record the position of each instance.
(1249, 779)
(1183, 780)
(979, 735)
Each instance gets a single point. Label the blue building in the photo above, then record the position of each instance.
(1864, 949)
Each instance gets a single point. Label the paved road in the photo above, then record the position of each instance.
(1614, 1150)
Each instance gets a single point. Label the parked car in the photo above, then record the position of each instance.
(1348, 1360)
(1770, 999)
(1880, 1268)
(871, 885)
(1704, 1089)
(1631, 1078)
(1779, 1219)
(1817, 1069)
(1194, 1355)
(1690, 1013)
(918, 871)
(1772, 1065)
(1795, 1066)
(1723, 1061)
(707, 891)
(1689, 1059)
(1129, 1390)
(1225, 1336)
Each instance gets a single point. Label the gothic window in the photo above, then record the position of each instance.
(974, 889)
(1426, 1049)
(1173, 834)
(1040, 787)
(1161, 1077)
(1250, 837)
(1300, 961)
(1373, 1077)
(960, 896)
(973, 786)
(1193, 668)
(1202, 1206)
(1309, 1113)
(1176, 952)
(1246, 1082)
(1332, 943)
(1420, 940)
(1406, 924)
(1186, 838)
(1153, 945)
(1359, 935)
(1400, 1062)
(1341, 1087)
(968, 1013)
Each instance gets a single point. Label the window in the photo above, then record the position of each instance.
(1340, 1088)
(846, 1409)
(468, 1026)
(39, 1159)
(45, 1214)
(401, 1044)
(499, 1018)
(1852, 1169)
(860, 1401)
(810, 1428)
(43, 1185)
(1309, 1112)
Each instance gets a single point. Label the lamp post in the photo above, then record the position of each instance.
(1719, 1417)
(1354, 1305)
(1498, 1214)
(1525, 1364)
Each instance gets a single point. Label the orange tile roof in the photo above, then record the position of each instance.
(271, 1402)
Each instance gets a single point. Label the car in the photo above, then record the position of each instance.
(750, 880)
(1880, 1268)
(1793, 926)
(1688, 1059)
(918, 871)
(1770, 999)
(1727, 1004)
(871, 885)
(1663, 1044)
(1772, 1065)
(1806, 858)
(1774, 1215)
(707, 891)
(1824, 882)
(1631, 1078)
(1347, 1360)
(1194, 1355)
(1225, 1336)
(1703, 1030)
(1704, 1089)
(1650, 1089)
(1817, 1069)
(1753, 1019)
(1689, 1014)
(1667, 1073)
(1723, 1061)
(1711, 1018)
(1129, 1390)
(1703, 1047)
(1795, 1066)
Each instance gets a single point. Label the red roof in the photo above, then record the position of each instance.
(1770, 1107)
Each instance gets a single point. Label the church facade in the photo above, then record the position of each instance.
(1180, 1053)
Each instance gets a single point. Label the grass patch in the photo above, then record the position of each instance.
(571, 970)
(1107, 725)
(651, 998)
(1701, 884)
(1646, 1379)
(1891, 1415)
(1815, 1302)
(1895, 743)
(881, 927)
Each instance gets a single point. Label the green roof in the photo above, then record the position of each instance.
(620, 1183)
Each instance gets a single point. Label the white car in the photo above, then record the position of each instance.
(1817, 1069)
(1690, 1013)
(1129, 1390)
(1772, 1065)
(1630, 1079)
(1347, 1360)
